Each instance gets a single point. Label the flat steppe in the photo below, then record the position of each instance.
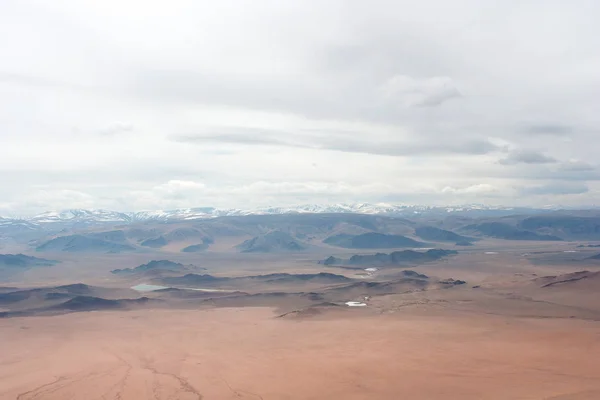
(248, 353)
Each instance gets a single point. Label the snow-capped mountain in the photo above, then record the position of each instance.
(79, 217)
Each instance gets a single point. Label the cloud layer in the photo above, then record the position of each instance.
(136, 105)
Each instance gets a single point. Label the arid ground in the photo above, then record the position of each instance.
(231, 353)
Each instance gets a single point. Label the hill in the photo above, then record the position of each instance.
(569, 226)
(396, 257)
(155, 243)
(195, 248)
(464, 243)
(440, 235)
(154, 265)
(21, 261)
(206, 242)
(89, 303)
(372, 240)
(412, 274)
(574, 280)
(321, 277)
(361, 289)
(47, 296)
(88, 243)
(192, 280)
(16, 264)
(185, 234)
(501, 230)
(272, 242)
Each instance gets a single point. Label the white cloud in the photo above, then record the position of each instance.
(527, 157)
(481, 188)
(408, 91)
(48, 200)
(117, 128)
(567, 188)
(294, 102)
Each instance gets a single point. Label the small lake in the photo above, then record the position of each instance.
(144, 287)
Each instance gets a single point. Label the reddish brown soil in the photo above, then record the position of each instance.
(248, 354)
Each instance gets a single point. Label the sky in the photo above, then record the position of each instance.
(140, 105)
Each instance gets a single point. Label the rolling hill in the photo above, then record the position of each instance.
(272, 242)
(569, 226)
(440, 235)
(21, 261)
(573, 280)
(153, 266)
(501, 230)
(372, 240)
(88, 243)
(397, 257)
(192, 280)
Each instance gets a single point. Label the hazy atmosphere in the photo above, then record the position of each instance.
(131, 105)
(292, 200)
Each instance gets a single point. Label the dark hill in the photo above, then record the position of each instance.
(195, 294)
(75, 288)
(84, 243)
(321, 277)
(331, 260)
(88, 303)
(194, 280)
(372, 240)
(42, 294)
(276, 278)
(376, 288)
(272, 242)
(16, 296)
(183, 234)
(195, 248)
(576, 227)
(110, 236)
(21, 261)
(508, 232)
(397, 257)
(412, 274)
(440, 235)
(575, 280)
(452, 282)
(464, 243)
(155, 243)
(154, 265)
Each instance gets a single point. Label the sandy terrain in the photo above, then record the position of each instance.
(247, 353)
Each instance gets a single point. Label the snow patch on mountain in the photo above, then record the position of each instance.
(91, 217)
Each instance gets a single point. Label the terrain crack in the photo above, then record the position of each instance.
(39, 388)
(120, 385)
(183, 383)
(238, 392)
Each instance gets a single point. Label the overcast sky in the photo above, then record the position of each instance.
(132, 105)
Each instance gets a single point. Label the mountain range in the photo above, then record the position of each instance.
(81, 217)
(274, 231)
